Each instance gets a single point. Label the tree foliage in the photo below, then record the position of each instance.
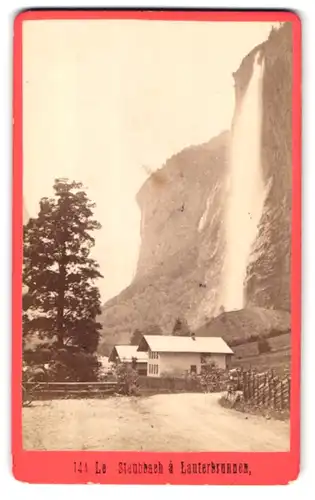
(181, 328)
(212, 378)
(136, 337)
(62, 299)
(127, 379)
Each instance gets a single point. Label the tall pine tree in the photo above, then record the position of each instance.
(62, 300)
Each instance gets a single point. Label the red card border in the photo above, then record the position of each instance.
(57, 467)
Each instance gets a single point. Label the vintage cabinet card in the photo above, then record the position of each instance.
(156, 247)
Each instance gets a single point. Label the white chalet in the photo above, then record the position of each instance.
(175, 355)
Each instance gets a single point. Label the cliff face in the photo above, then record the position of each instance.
(268, 274)
(180, 204)
(181, 254)
(182, 219)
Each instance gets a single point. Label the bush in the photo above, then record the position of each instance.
(263, 346)
(61, 365)
(33, 373)
(212, 378)
(127, 379)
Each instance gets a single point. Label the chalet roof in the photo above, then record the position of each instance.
(127, 352)
(171, 343)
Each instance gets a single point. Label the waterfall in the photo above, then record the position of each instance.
(246, 193)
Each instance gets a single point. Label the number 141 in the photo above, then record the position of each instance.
(80, 467)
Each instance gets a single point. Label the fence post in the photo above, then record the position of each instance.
(289, 391)
(281, 395)
(263, 399)
(252, 385)
(245, 386)
(274, 383)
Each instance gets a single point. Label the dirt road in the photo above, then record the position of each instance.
(168, 422)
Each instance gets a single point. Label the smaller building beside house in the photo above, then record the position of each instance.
(126, 353)
(106, 366)
(175, 356)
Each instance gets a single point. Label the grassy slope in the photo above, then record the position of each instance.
(236, 325)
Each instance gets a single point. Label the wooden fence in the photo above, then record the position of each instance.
(258, 389)
(67, 390)
(264, 389)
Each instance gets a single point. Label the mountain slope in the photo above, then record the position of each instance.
(182, 220)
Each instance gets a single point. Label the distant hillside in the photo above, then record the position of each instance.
(235, 325)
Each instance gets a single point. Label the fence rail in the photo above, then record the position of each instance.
(66, 390)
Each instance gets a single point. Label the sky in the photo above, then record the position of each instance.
(106, 100)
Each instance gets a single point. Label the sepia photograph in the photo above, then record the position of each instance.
(157, 236)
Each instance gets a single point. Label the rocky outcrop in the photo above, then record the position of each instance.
(182, 216)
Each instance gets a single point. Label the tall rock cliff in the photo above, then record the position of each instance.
(268, 273)
(182, 219)
(182, 245)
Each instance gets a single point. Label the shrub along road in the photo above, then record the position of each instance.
(165, 422)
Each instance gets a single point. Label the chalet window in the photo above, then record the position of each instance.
(155, 369)
(193, 369)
